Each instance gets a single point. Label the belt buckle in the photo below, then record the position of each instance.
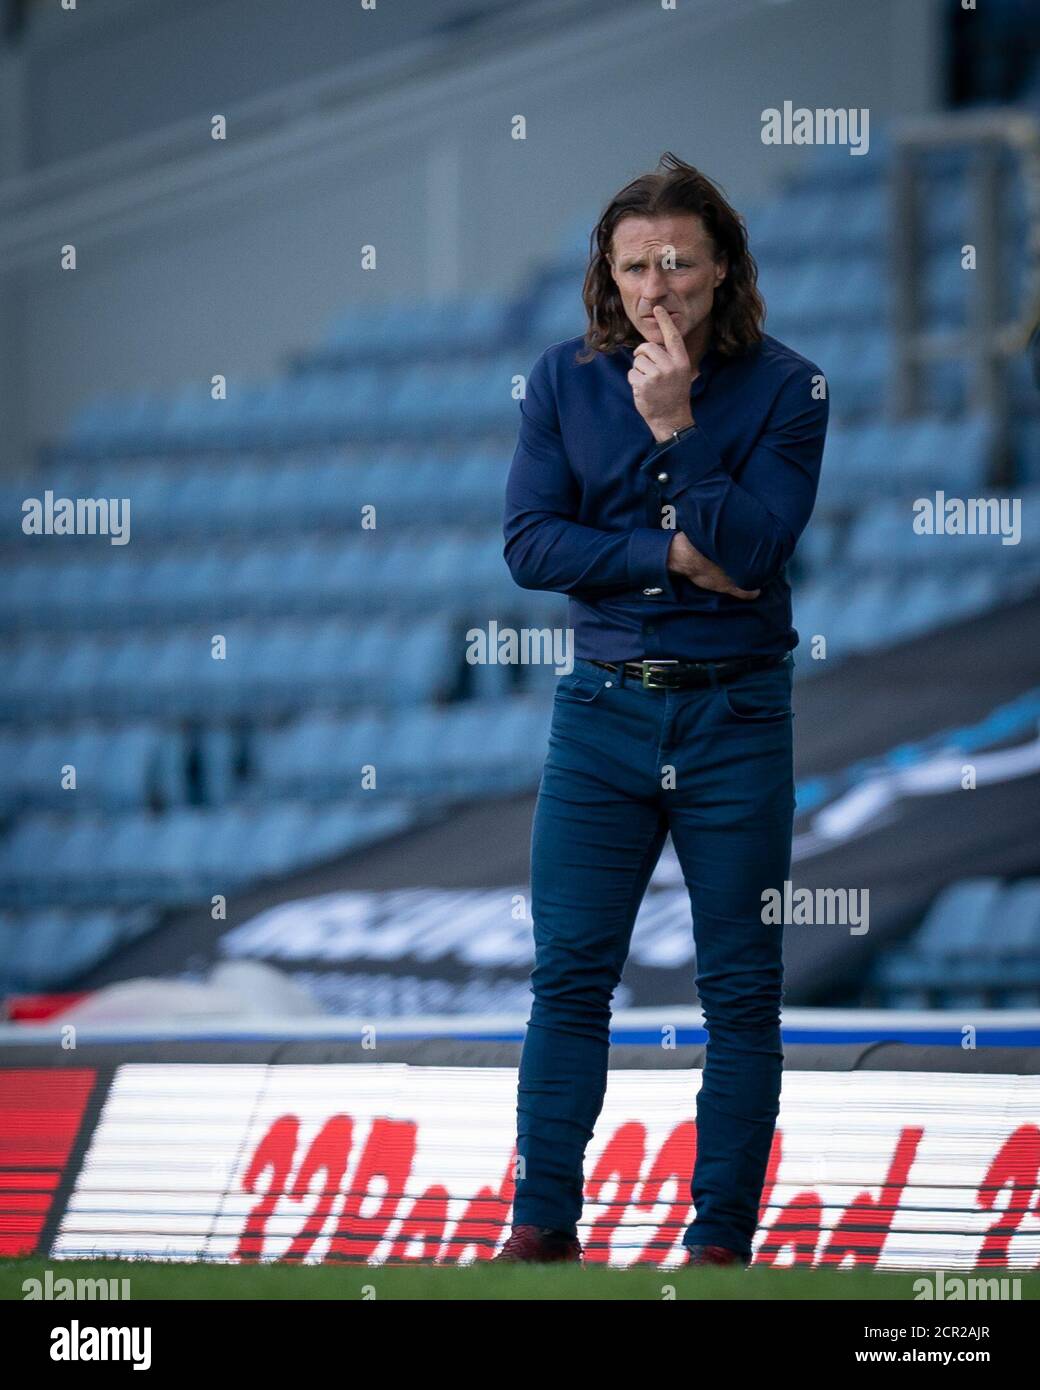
(648, 683)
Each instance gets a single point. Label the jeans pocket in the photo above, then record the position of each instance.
(760, 697)
(581, 686)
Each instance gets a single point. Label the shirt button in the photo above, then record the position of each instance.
(650, 592)
(662, 477)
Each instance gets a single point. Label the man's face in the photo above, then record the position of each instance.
(641, 269)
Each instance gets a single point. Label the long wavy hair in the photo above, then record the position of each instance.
(738, 311)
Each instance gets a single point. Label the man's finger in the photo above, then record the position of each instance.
(655, 352)
(673, 342)
(644, 366)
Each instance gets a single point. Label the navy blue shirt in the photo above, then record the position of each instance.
(587, 516)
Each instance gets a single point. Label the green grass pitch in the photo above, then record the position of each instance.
(151, 1279)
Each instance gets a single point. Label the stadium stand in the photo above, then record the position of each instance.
(978, 946)
(195, 774)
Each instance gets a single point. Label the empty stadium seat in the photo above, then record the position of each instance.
(343, 643)
(269, 667)
(132, 766)
(476, 748)
(180, 856)
(48, 948)
(979, 943)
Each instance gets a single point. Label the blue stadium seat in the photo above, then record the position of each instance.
(426, 752)
(49, 948)
(408, 407)
(978, 944)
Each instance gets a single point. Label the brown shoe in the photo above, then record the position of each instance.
(539, 1245)
(714, 1255)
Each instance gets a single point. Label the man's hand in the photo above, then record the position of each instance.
(686, 559)
(660, 380)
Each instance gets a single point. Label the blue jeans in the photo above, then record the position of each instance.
(626, 766)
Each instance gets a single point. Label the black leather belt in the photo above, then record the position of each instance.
(690, 675)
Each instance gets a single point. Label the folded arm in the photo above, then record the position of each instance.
(749, 529)
(545, 548)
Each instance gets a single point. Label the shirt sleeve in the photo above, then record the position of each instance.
(749, 529)
(545, 548)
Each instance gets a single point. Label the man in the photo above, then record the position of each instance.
(661, 479)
